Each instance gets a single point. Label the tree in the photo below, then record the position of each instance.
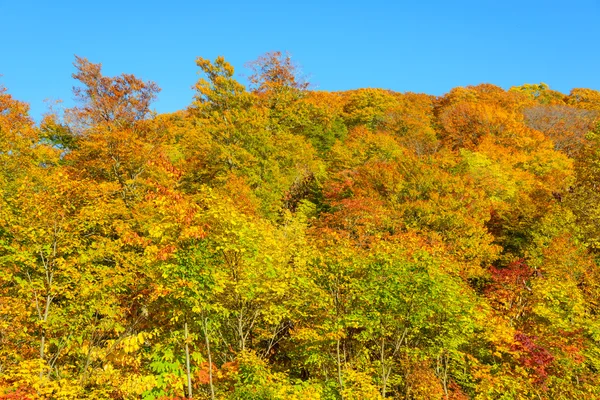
(566, 126)
(116, 102)
(541, 93)
(115, 134)
(275, 72)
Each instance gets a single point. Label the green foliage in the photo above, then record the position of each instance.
(276, 242)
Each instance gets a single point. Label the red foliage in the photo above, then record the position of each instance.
(225, 373)
(533, 355)
(516, 274)
(17, 395)
(455, 392)
(172, 398)
(202, 375)
(510, 291)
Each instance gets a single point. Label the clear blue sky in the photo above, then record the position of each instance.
(419, 46)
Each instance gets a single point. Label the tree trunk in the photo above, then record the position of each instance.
(339, 365)
(187, 363)
(384, 374)
(207, 342)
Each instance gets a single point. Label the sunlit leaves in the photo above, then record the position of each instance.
(279, 242)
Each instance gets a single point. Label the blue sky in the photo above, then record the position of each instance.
(419, 46)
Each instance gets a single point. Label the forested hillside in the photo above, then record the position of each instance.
(279, 242)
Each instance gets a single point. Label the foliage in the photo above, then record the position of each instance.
(278, 242)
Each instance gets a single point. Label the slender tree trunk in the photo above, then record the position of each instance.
(442, 369)
(240, 328)
(43, 337)
(207, 342)
(383, 371)
(44, 317)
(187, 362)
(339, 365)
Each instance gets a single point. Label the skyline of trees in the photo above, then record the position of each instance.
(277, 242)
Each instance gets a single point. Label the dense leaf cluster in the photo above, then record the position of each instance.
(276, 242)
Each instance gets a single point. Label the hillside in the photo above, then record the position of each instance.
(278, 242)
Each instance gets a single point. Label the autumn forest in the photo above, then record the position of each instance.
(274, 241)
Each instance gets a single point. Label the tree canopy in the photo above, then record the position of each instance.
(280, 242)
